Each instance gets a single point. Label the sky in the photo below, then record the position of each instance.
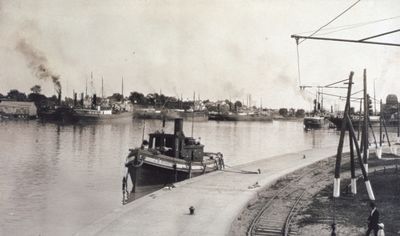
(218, 49)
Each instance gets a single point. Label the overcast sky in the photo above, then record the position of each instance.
(220, 49)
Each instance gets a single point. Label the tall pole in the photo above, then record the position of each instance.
(359, 121)
(318, 103)
(360, 161)
(322, 99)
(122, 88)
(86, 88)
(336, 182)
(102, 88)
(365, 133)
(352, 167)
(380, 124)
(398, 123)
(374, 99)
(91, 83)
(379, 148)
(194, 98)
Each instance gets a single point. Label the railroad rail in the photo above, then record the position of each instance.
(276, 215)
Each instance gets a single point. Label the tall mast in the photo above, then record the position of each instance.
(374, 99)
(122, 87)
(91, 83)
(194, 98)
(102, 87)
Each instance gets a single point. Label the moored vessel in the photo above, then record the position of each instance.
(240, 116)
(168, 158)
(314, 122)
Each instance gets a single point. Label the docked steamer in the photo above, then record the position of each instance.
(168, 158)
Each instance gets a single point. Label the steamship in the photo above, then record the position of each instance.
(170, 114)
(240, 116)
(168, 158)
(315, 122)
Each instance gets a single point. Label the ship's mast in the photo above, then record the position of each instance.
(91, 84)
(102, 88)
(122, 88)
(194, 101)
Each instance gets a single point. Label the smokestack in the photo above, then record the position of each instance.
(94, 101)
(178, 131)
(82, 97)
(178, 128)
(59, 97)
(75, 99)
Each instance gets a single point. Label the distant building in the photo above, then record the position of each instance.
(390, 108)
(16, 109)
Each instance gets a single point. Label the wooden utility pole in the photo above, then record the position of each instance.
(379, 149)
(365, 127)
(336, 183)
(348, 126)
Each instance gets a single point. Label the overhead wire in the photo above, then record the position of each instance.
(298, 42)
(336, 17)
(350, 26)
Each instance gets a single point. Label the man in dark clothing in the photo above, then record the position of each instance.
(373, 220)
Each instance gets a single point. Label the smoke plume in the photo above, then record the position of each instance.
(38, 64)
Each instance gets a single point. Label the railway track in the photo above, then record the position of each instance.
(276, 216)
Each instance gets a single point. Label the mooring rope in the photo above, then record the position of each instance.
(235, 170)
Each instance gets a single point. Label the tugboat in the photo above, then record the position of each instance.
(169, 158)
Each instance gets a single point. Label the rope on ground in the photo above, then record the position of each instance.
(235, 170)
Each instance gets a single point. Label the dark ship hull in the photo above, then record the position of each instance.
(314, 122)
(357, 122)
(239, 117)
(197, 116)
(58, 115)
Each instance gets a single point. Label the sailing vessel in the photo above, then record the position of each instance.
(168, 158)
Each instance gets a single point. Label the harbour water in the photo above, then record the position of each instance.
(54, 179)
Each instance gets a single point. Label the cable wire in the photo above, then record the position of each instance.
(332, 20)
(350, 26)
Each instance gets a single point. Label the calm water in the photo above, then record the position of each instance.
(54, 180)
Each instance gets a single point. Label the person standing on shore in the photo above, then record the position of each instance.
(373, 220)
